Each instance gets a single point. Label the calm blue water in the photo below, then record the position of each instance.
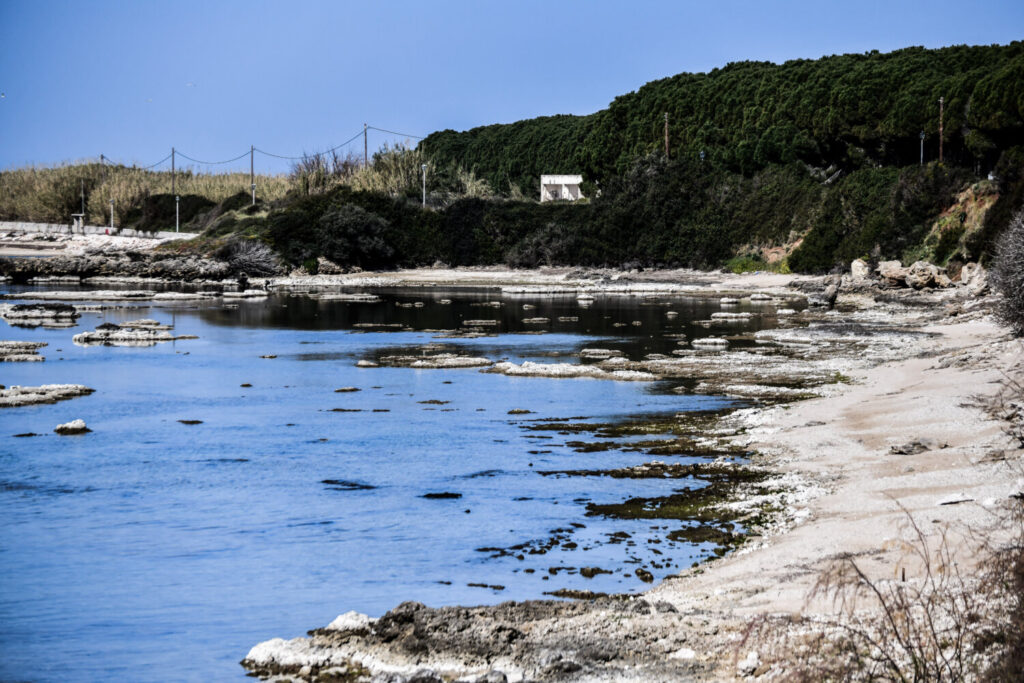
(152, 550)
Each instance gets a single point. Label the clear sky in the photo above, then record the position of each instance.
(129, 79)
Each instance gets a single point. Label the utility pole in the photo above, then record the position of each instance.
(173, 185)
(82, 181)
(424, 169)
(941, 103)
(103, 165)
(666, 136)
(252, 173)
(365, 148)
(922, 148)
(111, 214)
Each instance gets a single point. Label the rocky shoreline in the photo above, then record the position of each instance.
(694, 626)
(818, 475)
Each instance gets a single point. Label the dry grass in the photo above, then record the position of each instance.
(52, 194)
(946, 623)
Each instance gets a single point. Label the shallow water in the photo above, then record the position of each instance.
(154, 550)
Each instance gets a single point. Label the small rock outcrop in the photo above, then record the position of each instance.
(20, 351)
(133, 333)
(921, 274)
(859, 270)
(40, 315)
(73, 427)
(975, 278)
(12, 397)
(892, 273)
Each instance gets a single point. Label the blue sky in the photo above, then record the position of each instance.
(131, 79)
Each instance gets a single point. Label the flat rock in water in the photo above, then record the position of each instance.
(567, 370)
(20, 351)
(350, 298)
(90, 295)
(12, 397)
(436, 361)
(134, 333)
(40, 315)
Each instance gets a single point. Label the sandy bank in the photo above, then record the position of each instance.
(910, 371)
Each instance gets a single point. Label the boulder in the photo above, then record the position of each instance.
(921, 274)
(859, 270)
(73, 427)
(893, 273)
(942, 280)
(975, 278)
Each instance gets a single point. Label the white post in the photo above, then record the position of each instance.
(176, 212)
(424, 167)
(111, 214)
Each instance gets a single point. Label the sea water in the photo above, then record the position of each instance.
(153, 550)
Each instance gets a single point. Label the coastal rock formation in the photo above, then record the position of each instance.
(893, 273)
(20, 351)
(567, 370)
(13, 397)
(859, 270)
(536, 639)
(87, 295)
(921, 274)
(36, 315)
(134, 333)
(440, 360)
(163, 265)
(975, 278)
(73, 427)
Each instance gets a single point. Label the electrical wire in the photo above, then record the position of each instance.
(404, 135)
(310, 156)
(210, 163)
(108, 160)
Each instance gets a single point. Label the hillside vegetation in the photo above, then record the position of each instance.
(806, 165)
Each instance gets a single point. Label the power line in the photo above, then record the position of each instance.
(261, 151)
(107, 160)
(404, 135)
(309, 156)
(210, 163)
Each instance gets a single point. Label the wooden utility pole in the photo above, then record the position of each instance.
(252, 174)
(365, 148)
(173, 184)
(666, 135)
(103, 165)
(941, 103)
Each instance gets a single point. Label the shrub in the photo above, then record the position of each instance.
(250, 257)
(350, 235)
(1008, 274)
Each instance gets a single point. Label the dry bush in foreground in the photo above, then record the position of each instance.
(251, 257)
(944, 624)
(1008, 274)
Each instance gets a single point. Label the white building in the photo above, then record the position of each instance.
(554, 187)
